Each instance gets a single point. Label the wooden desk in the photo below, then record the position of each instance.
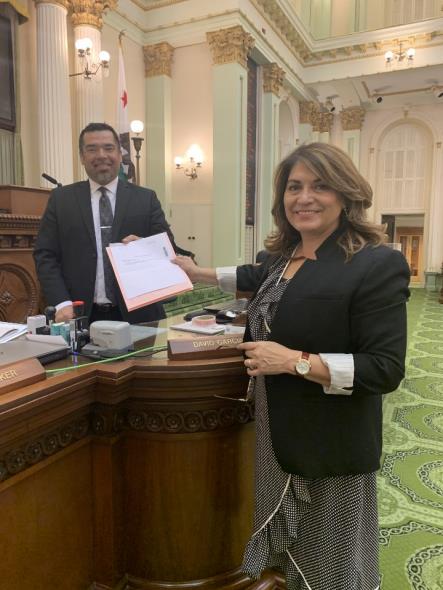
(127, 475)
(20, 211)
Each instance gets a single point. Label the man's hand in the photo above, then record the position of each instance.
(64, 314)
(130, 238)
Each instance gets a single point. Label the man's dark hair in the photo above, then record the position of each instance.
(97, 127)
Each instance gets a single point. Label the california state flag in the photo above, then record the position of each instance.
(122, 119)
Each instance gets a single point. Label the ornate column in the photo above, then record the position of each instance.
(273, 78)
(230, 49)
(54, 103)
(87, 20)
(158, 64)
(352, 120)
(321, 125)
(307, 108)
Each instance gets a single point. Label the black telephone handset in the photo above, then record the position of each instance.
(224, 316)
(192, 314)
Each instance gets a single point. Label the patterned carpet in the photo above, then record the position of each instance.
(411, 477)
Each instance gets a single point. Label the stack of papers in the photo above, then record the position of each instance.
(9, 331)
(144, 271)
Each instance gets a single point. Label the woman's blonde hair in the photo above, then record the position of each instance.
(335, 168)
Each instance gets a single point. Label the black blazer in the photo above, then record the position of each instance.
(65, 252)
(333, 306)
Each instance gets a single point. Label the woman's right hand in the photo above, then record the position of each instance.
(188, 265)
(194, 272)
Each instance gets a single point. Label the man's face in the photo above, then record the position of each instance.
(101, 156)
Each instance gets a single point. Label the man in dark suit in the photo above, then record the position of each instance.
(81, 219)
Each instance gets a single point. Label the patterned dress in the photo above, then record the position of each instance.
(321, 533)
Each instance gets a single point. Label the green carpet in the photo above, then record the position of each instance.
(200, 295)
(411, 477)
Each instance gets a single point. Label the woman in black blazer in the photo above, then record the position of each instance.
(325, 338)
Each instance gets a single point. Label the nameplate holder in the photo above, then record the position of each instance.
(20, 374)
(183, 349)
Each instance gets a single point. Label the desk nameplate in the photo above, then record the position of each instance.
(213, 347)
(20, 374)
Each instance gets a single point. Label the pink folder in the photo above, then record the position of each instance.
(153, 296)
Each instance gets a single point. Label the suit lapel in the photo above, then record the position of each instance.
(122, 205)
(83, 193)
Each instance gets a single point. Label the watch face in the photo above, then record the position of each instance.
(303, 366)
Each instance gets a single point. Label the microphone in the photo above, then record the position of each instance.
(50, 179)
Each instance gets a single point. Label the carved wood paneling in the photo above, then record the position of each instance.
(19, 292)
(116, 454)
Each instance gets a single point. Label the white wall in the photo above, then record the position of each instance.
(192, 122)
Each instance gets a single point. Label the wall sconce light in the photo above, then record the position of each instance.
(84, 47)
(400, 57)
(192, 160)
(137, 128)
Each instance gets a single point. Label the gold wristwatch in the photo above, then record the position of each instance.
(303, 365)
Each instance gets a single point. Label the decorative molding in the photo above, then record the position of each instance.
(311, 113)
(87, 12)
(272, 10)
(322, 122)
(109, 421)
(20, 222)
(158, 59)
(370, 45)
(17, 242)
(307, 110)
(106, 420)
(231, 45)
(17, 287)
(273, 78)
(352, 118)
(32, 452)
(64, 3)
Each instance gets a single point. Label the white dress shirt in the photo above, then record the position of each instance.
(99, 291)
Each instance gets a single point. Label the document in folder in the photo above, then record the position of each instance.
(144, 271)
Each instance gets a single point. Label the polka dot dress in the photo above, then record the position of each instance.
(321, 533)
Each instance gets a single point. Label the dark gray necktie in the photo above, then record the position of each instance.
(106, 219)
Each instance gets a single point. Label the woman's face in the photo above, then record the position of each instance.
(311, 207)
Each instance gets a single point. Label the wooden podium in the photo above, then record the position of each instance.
(20, 211)
(128, 475)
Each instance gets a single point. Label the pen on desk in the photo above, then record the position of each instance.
(165, 251)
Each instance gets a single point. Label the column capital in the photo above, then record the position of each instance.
(158, 59)
(322, 122)
(231, 45)
(64, 3)
(273, 78)
(308, 109)
(352, 118)
(87, 12)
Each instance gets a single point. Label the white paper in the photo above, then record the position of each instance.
(46, 338)
(145, 265)
(190, 327)
(10, 331)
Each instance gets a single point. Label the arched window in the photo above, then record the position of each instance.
(404, 166)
